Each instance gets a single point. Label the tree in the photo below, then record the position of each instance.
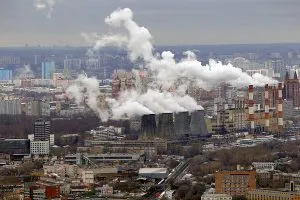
(239, 197)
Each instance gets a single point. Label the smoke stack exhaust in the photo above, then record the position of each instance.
(267, 108)
(251, 108)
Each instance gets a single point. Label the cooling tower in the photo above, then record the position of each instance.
(198, 124)
(182, 123)
(165, 127)
(148, 125)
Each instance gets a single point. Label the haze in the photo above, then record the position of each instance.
(171, 22)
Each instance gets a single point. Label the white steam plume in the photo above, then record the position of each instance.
(87, 90)
(46, 6)
(167, 74)
(167, 69)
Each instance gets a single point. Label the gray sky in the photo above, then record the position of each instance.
(169, 21)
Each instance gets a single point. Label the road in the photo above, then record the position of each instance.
(165, 185)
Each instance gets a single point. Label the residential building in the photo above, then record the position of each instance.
(87, 176)
(48, 68)
(264, 165)
(10, 107)
(41, 130)
(235, 183)
(39, 147)
(5, 74)
(291, 90)
(260, 194)
(216, 197)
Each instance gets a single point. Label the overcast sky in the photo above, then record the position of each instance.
(169, 21)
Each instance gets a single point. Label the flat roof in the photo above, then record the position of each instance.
(152, 170)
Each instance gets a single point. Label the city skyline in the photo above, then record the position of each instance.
(170, 22)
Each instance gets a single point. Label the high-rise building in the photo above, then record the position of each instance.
(291, 90)
(5, 74)
(10, 107)
(41, 130)
(48, 68)
(72, 64)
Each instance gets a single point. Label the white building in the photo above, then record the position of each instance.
(62, 170)
(10, 107)
(216, 197)
(88, 176)
(264, 165)
(39, 147)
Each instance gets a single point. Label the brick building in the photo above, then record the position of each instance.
(235, 183)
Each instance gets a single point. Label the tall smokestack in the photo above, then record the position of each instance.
(267, 108)
(279, 108)
(148, 125)
(165, 127)
(182, 123)
(251, 108)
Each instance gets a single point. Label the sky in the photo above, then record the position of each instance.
(171, 22)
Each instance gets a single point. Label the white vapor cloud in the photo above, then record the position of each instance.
(169, 78)
(46, 6)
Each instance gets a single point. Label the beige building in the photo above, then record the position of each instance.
(272, 195)
(216, 197)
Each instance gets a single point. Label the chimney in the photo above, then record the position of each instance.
(279, 108)
(251, 108)
(267, 108)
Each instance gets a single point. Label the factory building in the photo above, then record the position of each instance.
(174, 125)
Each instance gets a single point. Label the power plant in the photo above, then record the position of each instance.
(182, 122)
(174, 125)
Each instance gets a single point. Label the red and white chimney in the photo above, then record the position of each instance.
(251, 108)
(267, 108)
(279, 108)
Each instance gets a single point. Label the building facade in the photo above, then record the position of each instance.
(39, 147)
(48, 68)
(272, 194)
(235, 183)
(5, 74)
(41, 130)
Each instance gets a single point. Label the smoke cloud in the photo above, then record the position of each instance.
(46, 6)
(168, 72)
(86, 90)
(169, 78)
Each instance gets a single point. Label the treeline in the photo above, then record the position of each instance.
(228, 159)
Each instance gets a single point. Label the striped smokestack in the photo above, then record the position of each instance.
(279, 108)
(251, 108)
(267, 108)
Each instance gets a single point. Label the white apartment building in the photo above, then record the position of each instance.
(39, 147)
(264, 165)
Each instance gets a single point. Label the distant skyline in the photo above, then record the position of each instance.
(171, 22)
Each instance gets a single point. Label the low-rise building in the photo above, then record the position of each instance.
(235, 183)
(39, 147)
(259, 194)
(87, 176)
(264, 165)
(216, 197)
